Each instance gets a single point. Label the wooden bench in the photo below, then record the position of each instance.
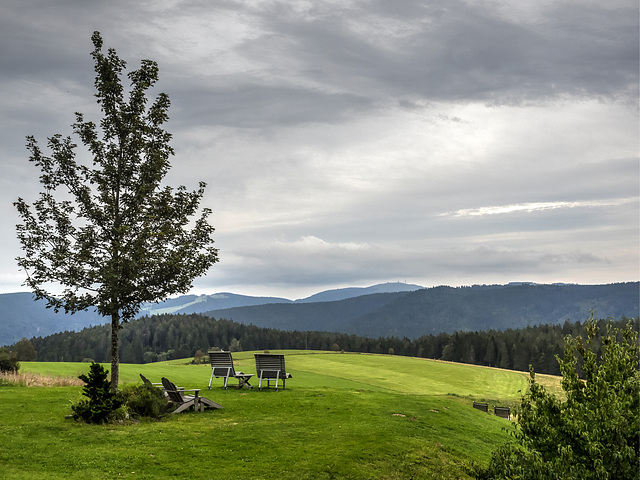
(222, 367)
(502, 412)
(270, 366)
(481, 406)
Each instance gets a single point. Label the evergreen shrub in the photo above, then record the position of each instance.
(101, 402)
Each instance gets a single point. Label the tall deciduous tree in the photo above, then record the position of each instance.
(25, 351)
(592, 434)
(109, 232)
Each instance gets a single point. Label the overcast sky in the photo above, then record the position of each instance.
(349, 143)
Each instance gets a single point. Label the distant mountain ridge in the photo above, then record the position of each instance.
(203, 303)
(225, 300)
(334, 316)
(21, 317)
(447, 309)
(344, 293)
(401, 310)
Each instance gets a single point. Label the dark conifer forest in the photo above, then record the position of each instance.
(166, 337)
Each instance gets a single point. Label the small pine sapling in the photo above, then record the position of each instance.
(101, 402)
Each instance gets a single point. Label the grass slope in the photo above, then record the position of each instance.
(342, 416)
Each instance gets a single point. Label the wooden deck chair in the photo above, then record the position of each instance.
(157, 385)
(270, 366)
(221, 366)
(184, 402)
(148, 382)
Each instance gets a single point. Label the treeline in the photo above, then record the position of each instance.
(166, 337)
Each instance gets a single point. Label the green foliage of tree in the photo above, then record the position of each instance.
(101, 401)
(25, 351)
(198, 358)
(592, 434)
(8, 360)
(235, 345)
(109, 232)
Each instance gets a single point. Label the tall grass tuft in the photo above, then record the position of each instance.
(37, 380)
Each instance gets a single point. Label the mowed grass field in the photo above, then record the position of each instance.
(342, 415)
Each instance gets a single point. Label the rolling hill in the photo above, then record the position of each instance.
(341, 416)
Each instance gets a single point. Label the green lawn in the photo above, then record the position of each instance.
(341, 416)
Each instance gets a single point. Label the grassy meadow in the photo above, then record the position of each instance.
(352, 416)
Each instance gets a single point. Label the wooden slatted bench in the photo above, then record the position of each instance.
(270, 366)
(481, 406)
(502, 412)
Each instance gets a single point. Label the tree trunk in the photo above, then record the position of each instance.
(115, 363)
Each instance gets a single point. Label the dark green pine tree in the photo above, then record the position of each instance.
(107, 231)
(101, 400)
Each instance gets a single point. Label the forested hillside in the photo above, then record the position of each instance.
(448, 309)
(324, 316)
(166, 337)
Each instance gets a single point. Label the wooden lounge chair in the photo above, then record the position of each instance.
(148, 382)
(158, 385)
(184, 402)
(222, 367)
(270, 366)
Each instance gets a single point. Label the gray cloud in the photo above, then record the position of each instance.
(456, 51)
(357, 142)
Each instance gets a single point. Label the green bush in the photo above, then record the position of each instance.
(595, 432)
(101, 402)
(145, 401)
(8, 361)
